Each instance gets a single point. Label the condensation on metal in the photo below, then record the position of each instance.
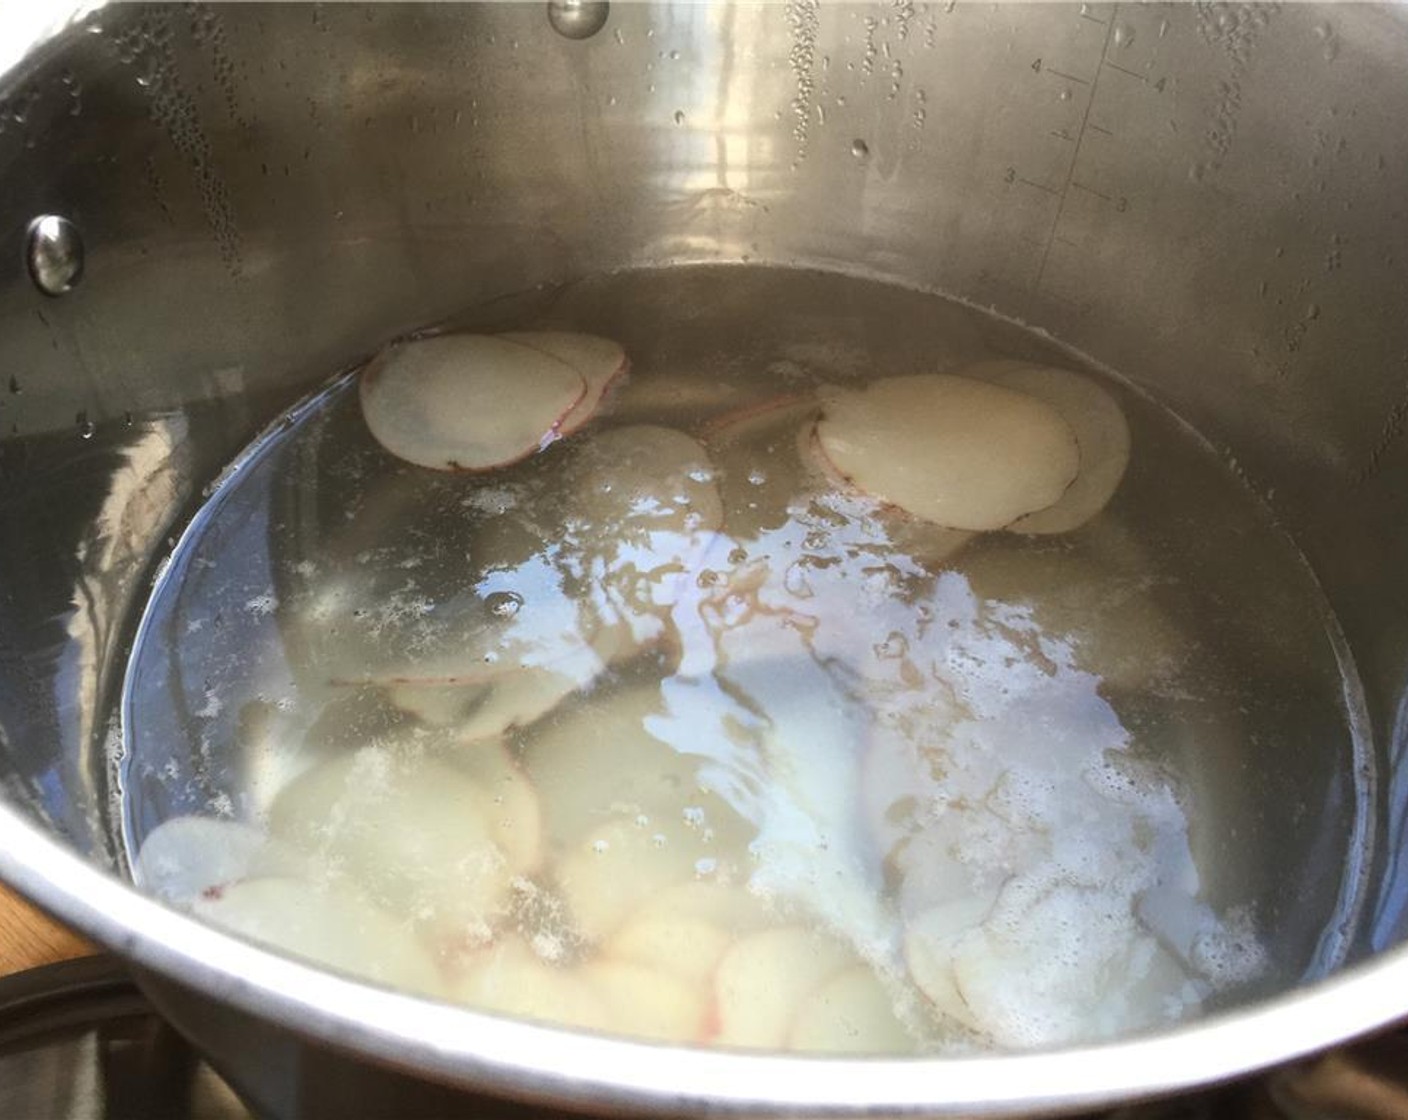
(578, 19)
(54, 253)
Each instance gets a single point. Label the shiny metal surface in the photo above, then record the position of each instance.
(54, 253)
(1204, 197)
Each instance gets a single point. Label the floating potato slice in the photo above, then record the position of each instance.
(598, 761)
(600, 361)
(648, 1002)
(330, 926)
(960, 453)
(683, 946)
(509, 978)
(852, 1013)
(616, 867)
(184, 856)
(413, 833)
(466, 402)
(762, 981)
(1100, 428)
(515, 819)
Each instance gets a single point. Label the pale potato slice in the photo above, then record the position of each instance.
(599, 760)
(960, 453)
(600, 361)
(648, 1002)
(184, 856)
(466, 402)
(328, 925)
(614, 868)
(762, 981)
(728, 907)
(1100, 428)
(412, 832)
(681, 945)
(852, 1013)
(510, 979)
(762, 470)
(515, 819)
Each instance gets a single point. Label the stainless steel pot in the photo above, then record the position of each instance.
(206, 210)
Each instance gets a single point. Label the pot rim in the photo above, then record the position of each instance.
(551, 1065)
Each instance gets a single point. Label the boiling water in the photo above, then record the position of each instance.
(660, 732)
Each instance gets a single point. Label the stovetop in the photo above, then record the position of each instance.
(79, 1042)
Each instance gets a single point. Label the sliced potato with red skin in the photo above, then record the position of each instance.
(415, 835)
(509, 978)
(762, 981)
(676, 943)
(963, 454)
(331, 926)
(852, 1013)
(600, 361)
(648, 1002)
(1100, 428)
(466, 402)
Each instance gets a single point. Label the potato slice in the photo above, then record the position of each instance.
(1100, 428)
(412, 832)
(512, 810)
(466, 402)
(600, 361)
(762, 981)
(683, 946)
(852, 1013)
(960, 453)
(648, 1002)
(509, 978)
(330, 926)
(185, 856)
(930, 942)
(729, 907)
(599, 760)
(618, 866)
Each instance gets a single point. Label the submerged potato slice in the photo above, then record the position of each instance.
(329, 926)
(466, 402)
(414, 834)
(600, 361)
(184, 856)
(648, 1002)
(684, 946)
(960, 453)
(599, 761)
(763, 979)
(515, 819)
(852, 1013)
(509, 978)
(1100, 428)
(614, 869)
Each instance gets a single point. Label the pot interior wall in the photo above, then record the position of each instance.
(1204, 198)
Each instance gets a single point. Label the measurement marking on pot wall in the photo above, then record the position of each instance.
(1076, 134)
